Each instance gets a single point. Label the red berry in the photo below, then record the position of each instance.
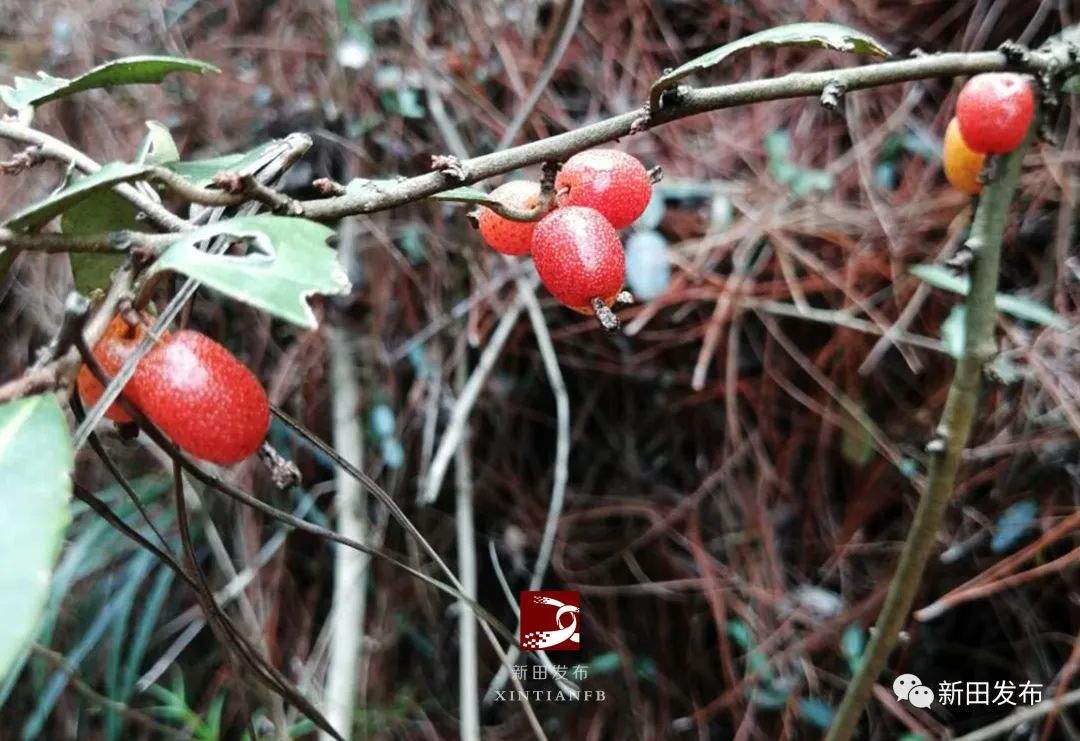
(111, 351)
(579, 257)
(995, 111)
(203, 398)
(503, 235)
(614, 183)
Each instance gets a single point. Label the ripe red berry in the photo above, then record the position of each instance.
(111, 351)
(995, 111)
(579, 257)
(504, 235)
(614, 183)
(203, 398)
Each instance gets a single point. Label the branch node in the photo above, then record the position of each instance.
(625, 297)
(641, 123)
(283, 472)
(230, 182)
(831, 96)
(656, 174)
(1015, 54)
(24, 160)
(328, 187)
(449, 165)
(76, 313)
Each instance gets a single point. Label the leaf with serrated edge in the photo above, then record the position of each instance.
(108, 176)
(36, 461)
(824, 35)
(29, 91)
(290, 261)
(1021, 308)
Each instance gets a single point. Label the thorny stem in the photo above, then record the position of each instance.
(946, 448)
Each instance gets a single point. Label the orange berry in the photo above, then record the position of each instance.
(962, 163)
(505, 235)
(111, 351)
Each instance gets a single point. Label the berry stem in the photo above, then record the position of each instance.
(607, 317)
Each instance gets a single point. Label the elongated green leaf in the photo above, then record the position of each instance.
(36, 461)
(202, 172)
(63, 199)
(29, 91)
(1022, 308)
(823, 35)
(290, 261)
(465, 195)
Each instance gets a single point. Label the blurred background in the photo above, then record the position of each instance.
(743, 459)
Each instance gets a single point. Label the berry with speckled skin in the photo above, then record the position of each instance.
(962, 163)
(111, 351)
(995, 110)
(203, 398)
(504, 235)
(614, 183)
(579, 257)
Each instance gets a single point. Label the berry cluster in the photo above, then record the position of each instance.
(993, 114)
(191, 387)
(576, 247)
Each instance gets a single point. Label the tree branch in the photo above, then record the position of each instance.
(118, 242)
(686, 103)
(947, 446)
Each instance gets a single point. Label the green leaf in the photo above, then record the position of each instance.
(465, 195)
(1072, 85)
(29, 91)
(1022, 308)
(103, 211)
(816, 711)
(852, 644)
(290, 261)
(63, 199)
(36, 461)
(823, 35)
(1014, 524)
(202, 172)
(158, 147)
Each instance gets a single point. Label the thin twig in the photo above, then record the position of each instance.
(468, 683)
(349, 601)
(459, 415)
